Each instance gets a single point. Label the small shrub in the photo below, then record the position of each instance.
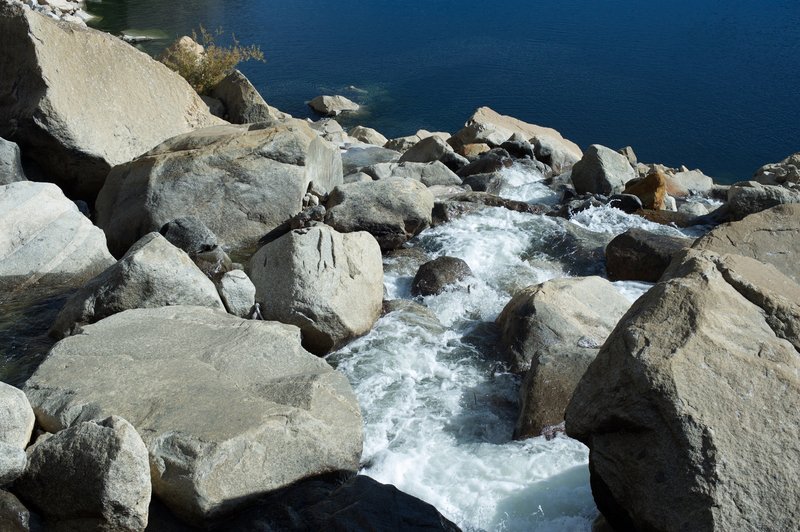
(204, 71)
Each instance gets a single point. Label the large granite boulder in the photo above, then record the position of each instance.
(10, 163)
(333, 105)
(489, 127)
(771, 236)
(240, 181)
(368, 135)
(44, 238)
(16, 417)
(228, 408)
(392, 210)
(690, 408)
(153, 273)
(94, 475)
(327, 283)
(81, 101)
(601, 171)
(749, 197)
(639, 255)
(553, 331)
(243, 103)
(780, 173)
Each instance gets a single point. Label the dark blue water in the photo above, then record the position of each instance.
(710, 84)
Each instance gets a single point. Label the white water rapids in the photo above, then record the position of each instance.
(439, 410)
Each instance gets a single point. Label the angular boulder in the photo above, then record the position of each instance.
(228, 408)
(189, 234)
(16, 417)
(243, 103)
(427, 150)
(240, 181)
(237, 292)
(94, 475)
(692, 426)
(368, 135)
(749, 197)
(601, 170)
(77, 130)
(327, 283)
(771, 236)
(333, 105)
(392, 210)
(44, 238)
(553, 331)
(153, 273)
(10, 163)
(639, 255)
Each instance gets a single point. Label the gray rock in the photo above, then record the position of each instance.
(426, 151)
(357, 177)
(429, 174)
(78, 135)
(435, 276)
(771, 236)
(553, 331)
(392, 210)
(693, 208)
(333, 105)
(153, 273)
(628, 203)
(330, 130)
(12, 463)
(257, 413)
(629, 154)
(639, 255)
(781, 173)
(355, 158)
(700, 413)
(327, 283)
(10, 163)
(189, 234)
(52, 240)
(518, 146)
(94, 475)
(368, 135)
(240, 181)
(402, 144)
(16, 417)
(243, 103)
(489, 162)
(14, 517)
(749, 197)
(237, 292)
(215, 106)
(555, 153)
(692, 181)
(601, 171)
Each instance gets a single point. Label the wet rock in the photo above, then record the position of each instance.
(392, 210)
(78, 135)
(651, 190)
(14, 517)
(601, 171)
(190, 234)
(490, 182)
(491, 161)
(679, 413)
(435, 276)
(237, 292)
(243, 103)
(92, 476)
(780, 173)
(368, 135)
(749, 197)
(10, 163)
(627, 203)
(771, 236)
(518, 146)
(258, 413)
(240, 181)
(331, 503)
(491, 200)
(327, 283)
(639, 255)
(671, 218)
(446, 211)
(153, 273)
(16, 417)
(333, 105)
(52, 241)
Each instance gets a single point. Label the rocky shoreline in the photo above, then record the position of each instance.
(184, 380)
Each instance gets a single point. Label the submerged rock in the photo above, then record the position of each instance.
(78, 130)
(228, 408)
(690, 408)
(153, 273)
(327, 283)
(240, 181)
(91, 476)
(47, 240)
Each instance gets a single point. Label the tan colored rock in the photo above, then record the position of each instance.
(54, 106)
(471, 151)
(780, 173)
(651, 190)
(368, 135)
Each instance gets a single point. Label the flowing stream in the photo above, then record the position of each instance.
(438, 405)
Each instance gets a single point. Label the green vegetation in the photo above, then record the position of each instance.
(204, 69)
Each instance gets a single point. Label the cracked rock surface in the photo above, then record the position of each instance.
(690, 408)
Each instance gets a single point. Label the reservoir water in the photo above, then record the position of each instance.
(710, 84)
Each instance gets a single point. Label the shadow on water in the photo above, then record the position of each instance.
(25, 319)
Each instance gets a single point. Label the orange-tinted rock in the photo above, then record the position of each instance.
(651, 189)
